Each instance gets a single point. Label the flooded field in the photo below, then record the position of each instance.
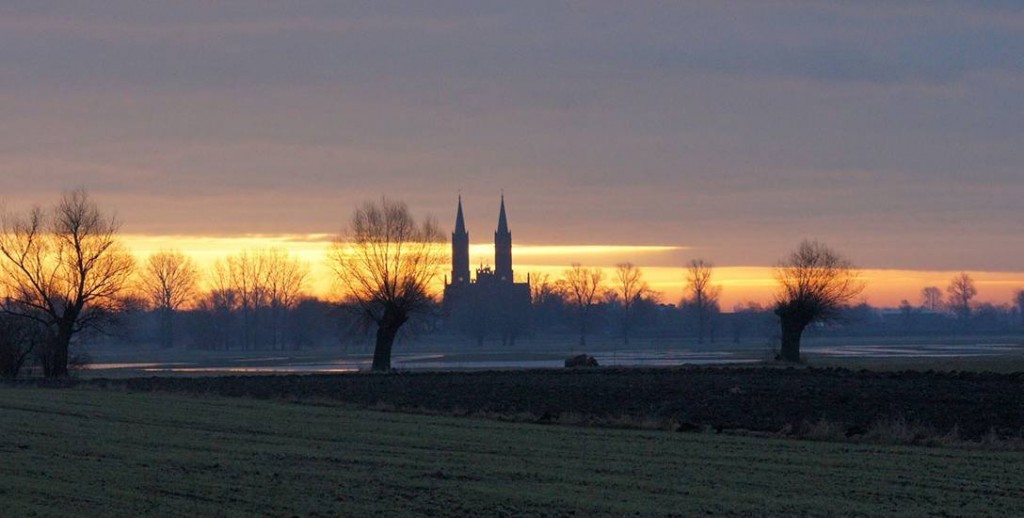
(322, 361)
(277, 364)
(916, 350)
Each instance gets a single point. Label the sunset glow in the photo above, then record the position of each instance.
(697, 130)
(662, 267)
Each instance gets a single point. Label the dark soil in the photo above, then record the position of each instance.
(765, 399)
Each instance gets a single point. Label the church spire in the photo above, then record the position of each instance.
(502, 219)
(460, 249)
(503, 246)
(460, 222)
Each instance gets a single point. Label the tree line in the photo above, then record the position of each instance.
(65, 276)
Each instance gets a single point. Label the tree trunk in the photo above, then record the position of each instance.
(58, 355)
(626, 321)
(700, 323)
(382, 350)
(166, 328)
(583, 329)
(792, 329)
(387, 329)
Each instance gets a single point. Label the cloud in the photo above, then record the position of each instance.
(734, 127)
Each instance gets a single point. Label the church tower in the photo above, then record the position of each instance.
(492, 304)
(460, 249)
(503, 247)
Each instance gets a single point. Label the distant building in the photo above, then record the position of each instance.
(492, 304)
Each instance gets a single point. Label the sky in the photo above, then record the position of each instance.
(891, 131)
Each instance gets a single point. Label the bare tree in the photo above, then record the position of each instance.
(814, 283)
(283, 287)
(541, 288)
(19, 337)
(388, 263)
(237, 277)
(169, 281)
(931, 299)
(581, 287)
(546, 300)
(213, 325)
(701, 295)
(65, 269)
(960, 292)
(265, 284)
(630, 287)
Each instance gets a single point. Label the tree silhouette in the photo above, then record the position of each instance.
(18, 339)
(702, 295)
(388, 263)
(630, 287)
(814, 283)
(266, 283)
(931, 299)
(547, 302)
(168, 280)
(284, 285)
(960, 292)
(581, 287)
(65, 269)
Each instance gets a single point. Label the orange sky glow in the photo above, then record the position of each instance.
(661, 266)
(890, 132)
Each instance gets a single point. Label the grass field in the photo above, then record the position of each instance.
(85, 451)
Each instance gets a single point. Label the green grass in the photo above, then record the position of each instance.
(95, 452)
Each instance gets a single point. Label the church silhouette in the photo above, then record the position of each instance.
(492, 304)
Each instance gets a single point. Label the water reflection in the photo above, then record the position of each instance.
(916, 351)
(423, 361)
(275, 363)
(307, 369)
